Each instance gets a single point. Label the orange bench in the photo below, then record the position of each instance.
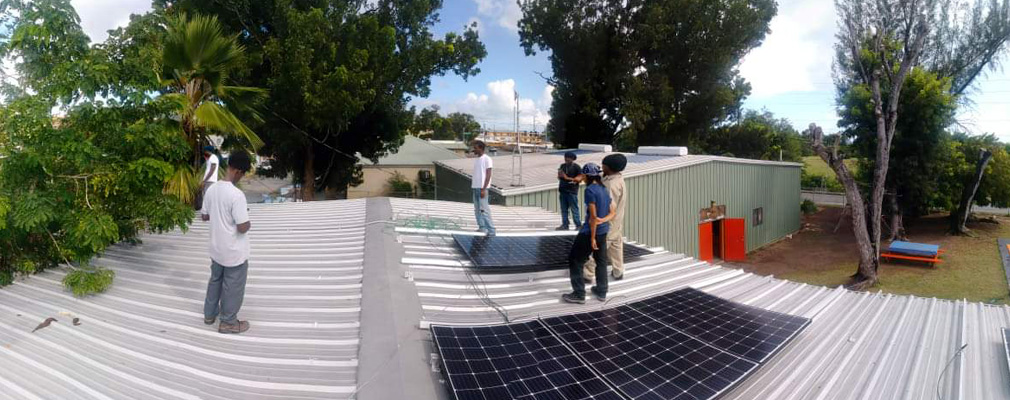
(928, 253)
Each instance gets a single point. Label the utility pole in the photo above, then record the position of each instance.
(517, 175)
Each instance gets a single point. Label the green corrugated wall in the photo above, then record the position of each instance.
(663, 207)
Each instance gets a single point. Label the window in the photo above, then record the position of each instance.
(759, 216)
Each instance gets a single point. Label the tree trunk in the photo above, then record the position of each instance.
(959, 219)
(866, 274)
(309, 176)
(897, 220)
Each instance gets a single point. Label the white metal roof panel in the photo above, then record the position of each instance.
(144, 338)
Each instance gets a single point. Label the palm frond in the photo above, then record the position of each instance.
(183, 183)
(213, 116)
(199, 47)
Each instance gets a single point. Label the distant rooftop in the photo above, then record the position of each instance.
(539, 170)
(414, 152)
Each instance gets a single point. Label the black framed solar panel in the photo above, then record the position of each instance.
(526, 252)
(517, 361)
(749, 332)
(646, 359)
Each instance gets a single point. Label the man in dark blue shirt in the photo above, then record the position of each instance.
(592, 238)
(568, 191)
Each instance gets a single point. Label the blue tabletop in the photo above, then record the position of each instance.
(915, 249)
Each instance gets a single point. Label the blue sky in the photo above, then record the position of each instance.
(790, 73)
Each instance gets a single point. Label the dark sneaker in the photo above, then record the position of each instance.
(237, 327)
(572, 298)
(209, 321)
(597, 295)
(617, 277)
(561, 228)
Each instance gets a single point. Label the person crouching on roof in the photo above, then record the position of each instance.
(592, 238)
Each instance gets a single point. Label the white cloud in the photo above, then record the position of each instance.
(796, 56)
(99, 16)
(505, 12)
(495, 108)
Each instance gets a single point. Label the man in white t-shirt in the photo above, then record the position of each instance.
(480, 183)
(224, 206)
(210, 172)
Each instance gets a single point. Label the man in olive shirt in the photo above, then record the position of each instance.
(613, 165)
(568, 191)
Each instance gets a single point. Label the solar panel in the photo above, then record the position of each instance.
(1006, 344)
(749, 332)
(515, 361)
(646, 359)
(502, 253)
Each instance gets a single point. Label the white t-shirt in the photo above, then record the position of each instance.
(227, 208)
(480, 167)
(213, 160)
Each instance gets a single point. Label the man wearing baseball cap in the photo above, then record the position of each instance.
(568, 190)
(613, 165)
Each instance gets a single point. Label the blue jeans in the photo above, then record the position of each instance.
(225, 292)
(482, 211)
(581, 250)
(569, 203)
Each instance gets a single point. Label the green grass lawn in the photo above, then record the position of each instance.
(971, 270)
(814, 165)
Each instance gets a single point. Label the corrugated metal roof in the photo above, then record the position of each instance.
(859, 345)
(144, 337)
(539, 170)
(414, 152)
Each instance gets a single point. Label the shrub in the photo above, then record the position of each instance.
(808, 207)
(399, 186)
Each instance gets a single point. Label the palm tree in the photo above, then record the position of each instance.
(196, 59)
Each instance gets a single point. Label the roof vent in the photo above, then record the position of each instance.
(606, 148)
(662, 151)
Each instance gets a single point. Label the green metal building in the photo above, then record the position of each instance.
(670, 198)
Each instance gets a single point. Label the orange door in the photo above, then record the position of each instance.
(734, 239)
(705, 241)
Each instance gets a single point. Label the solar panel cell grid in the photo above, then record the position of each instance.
(515, 361)
(646, 359)
(684, 345)
(749, 332)
(511, 252)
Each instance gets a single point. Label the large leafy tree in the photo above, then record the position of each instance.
(757, 135)
(965, 41)
(340, 73)
(919, 145)
(73, 183)
(643, 72)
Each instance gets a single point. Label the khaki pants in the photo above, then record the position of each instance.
(615, 256)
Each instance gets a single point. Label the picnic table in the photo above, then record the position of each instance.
(929, 253)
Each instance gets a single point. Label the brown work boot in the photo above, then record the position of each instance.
(237, 327)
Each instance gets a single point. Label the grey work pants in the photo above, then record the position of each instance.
(225, 292)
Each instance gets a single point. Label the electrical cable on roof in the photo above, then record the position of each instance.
(480, 290)
(940, 378)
